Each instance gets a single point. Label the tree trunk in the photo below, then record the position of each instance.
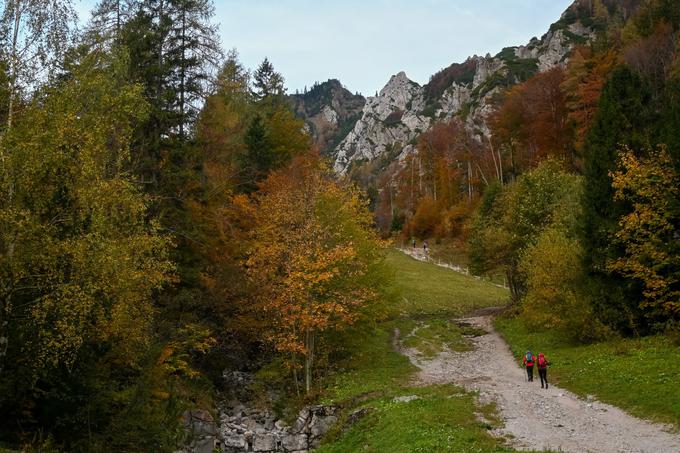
(182, 76)
(309, 359)
(469, 181)
(14, 64)
(296, 380)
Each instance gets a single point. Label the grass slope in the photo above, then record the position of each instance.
(428, 290)
(641, 376)
(443, 418)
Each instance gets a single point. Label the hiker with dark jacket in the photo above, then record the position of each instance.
(542, 365)
(529, 360)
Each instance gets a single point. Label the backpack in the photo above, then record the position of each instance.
(542, 362)
(529, 357)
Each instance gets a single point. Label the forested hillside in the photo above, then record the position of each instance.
(163, 218)
(574, 194)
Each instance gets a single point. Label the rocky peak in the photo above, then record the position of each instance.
(329, 110)
(391, 122)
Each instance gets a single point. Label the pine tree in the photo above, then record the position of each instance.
(193, 55)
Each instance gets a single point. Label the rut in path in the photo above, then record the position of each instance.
(535, 418)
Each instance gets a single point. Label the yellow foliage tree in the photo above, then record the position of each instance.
(313, 258)
(648, 234)
(79, 256)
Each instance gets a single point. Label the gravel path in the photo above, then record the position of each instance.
(536, 418)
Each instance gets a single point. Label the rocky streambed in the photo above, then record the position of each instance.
(241, 428)
(244, 429)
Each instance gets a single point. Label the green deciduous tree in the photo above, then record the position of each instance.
(33, 36)
(502, 232)
(79, 256)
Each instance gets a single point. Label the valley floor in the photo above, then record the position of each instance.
(436, 378)
(536, 418)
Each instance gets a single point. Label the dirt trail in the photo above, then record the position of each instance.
(536, 418)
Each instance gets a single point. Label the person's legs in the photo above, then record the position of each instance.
(543, 373)
(530, 373)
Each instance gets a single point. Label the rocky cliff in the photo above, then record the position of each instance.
(330, 111)
(391, 121)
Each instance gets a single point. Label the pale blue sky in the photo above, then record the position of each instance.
(363, 42)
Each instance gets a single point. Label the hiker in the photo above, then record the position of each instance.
(528, 361)
(414, 244)
(542, 365)
(425, 247)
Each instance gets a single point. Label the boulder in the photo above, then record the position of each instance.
(264, 442)
(294, 442)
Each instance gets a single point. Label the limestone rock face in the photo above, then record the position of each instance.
(389, 122)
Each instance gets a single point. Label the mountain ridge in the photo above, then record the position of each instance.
(390, 123)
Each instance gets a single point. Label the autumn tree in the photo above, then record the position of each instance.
(586, 75)
(531, 123)
(79, 255)
(313, 258)
(649, 233)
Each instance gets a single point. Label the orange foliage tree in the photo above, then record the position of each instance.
(313, 258)
(532, 122)
(582, 85)
(443, 176)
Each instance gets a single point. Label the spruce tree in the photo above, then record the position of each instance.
(268, 84)
(622, 119)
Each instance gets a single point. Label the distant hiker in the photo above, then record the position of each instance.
(542, 365)
(414, 244)
(529, 360)
(425, 247)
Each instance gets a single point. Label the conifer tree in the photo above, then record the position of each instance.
(621, 120)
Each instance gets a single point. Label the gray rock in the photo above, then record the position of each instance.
(320, 425)
(234, 441)
(296, 442)
(199, 422)
(264, 442)
(205, 445)
(406, 399)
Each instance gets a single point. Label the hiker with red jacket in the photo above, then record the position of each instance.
(542, 365)
(529, 360)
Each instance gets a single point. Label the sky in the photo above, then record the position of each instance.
(364, 42)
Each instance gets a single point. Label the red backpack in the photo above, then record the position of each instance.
(541, 361)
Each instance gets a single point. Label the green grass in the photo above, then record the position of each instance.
(641, 376)
(372, 368)
(441, 420)
(426, 289)
(444, 418)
